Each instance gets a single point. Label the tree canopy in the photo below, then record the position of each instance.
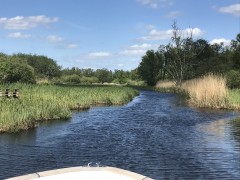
(185, 58)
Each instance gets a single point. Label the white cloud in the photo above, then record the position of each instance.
(155, 3)
(150, 27)
(23, 23)
(19, 35)
(226, 42)
(72, 46)
(54, 39)
(151, 3)
(173, 14)
(101, 54)
(194, 31)
(133, 52)
(232, 9)
(137, 50)
(157, 35)
(167, 34)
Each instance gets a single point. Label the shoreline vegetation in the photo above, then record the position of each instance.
(209, 91)
(49, 102)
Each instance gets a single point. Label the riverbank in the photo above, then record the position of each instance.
(47, 102)
(209, 91)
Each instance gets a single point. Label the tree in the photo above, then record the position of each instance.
(120, 76)
(13, 70)
(179, 55)
(88, 72)
(150, 66)
(236, 54)
(44, 66)
(104, 75)
(200, 62)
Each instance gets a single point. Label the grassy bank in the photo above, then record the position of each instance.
(45, 102)
(234, 99)
(209, 91)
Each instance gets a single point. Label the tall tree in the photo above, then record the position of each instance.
(104, 75)
(179, 55)
(149, 67)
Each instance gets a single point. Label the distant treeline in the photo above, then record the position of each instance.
(186, 58)
(27, 68)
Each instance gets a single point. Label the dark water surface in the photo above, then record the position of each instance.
(155, 135)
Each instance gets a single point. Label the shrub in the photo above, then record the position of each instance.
(233, 79)
(74, 79)
(89, 80)
(14, 71)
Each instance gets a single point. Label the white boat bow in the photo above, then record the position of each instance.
(84, 173)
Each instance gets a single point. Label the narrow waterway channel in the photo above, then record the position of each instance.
(155, 135)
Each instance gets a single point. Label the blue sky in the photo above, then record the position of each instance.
(112, 34)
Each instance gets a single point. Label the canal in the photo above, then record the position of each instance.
(156, 135)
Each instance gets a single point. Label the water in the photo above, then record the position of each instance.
(155, 135)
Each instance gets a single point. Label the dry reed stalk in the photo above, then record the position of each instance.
(165, 84)
(208, 91)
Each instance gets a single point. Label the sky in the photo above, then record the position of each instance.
(111, 34)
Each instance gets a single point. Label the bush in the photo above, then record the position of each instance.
(89, 80)
(135, 83)
(233, 79)
(74, 79)
(14, 71)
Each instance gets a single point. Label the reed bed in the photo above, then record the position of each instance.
(166, 86)
(209, 91)
(45, 102)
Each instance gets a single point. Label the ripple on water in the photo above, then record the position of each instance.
(155, 135)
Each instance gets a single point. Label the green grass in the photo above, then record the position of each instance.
(234, 99)
(47, 102)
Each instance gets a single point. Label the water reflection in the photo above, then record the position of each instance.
(235, 131)
(24, 137)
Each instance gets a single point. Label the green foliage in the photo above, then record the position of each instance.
(42, 65)
(13, 70)
(234, 99)
(150, 66)
(72, 79)
(135, 83)
(186, 58)
(233, 79)
(88, 72)
(71, 71)
(89, 80)
(120, 76)
(103, 75)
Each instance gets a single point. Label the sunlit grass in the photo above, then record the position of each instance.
(208, 91)
(45, 102)
(234, 98)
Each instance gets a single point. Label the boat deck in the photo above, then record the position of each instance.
(88, 173)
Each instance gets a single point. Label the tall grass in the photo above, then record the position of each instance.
(165, 85)
(44, 102)
(208, 91)
(234, 99)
